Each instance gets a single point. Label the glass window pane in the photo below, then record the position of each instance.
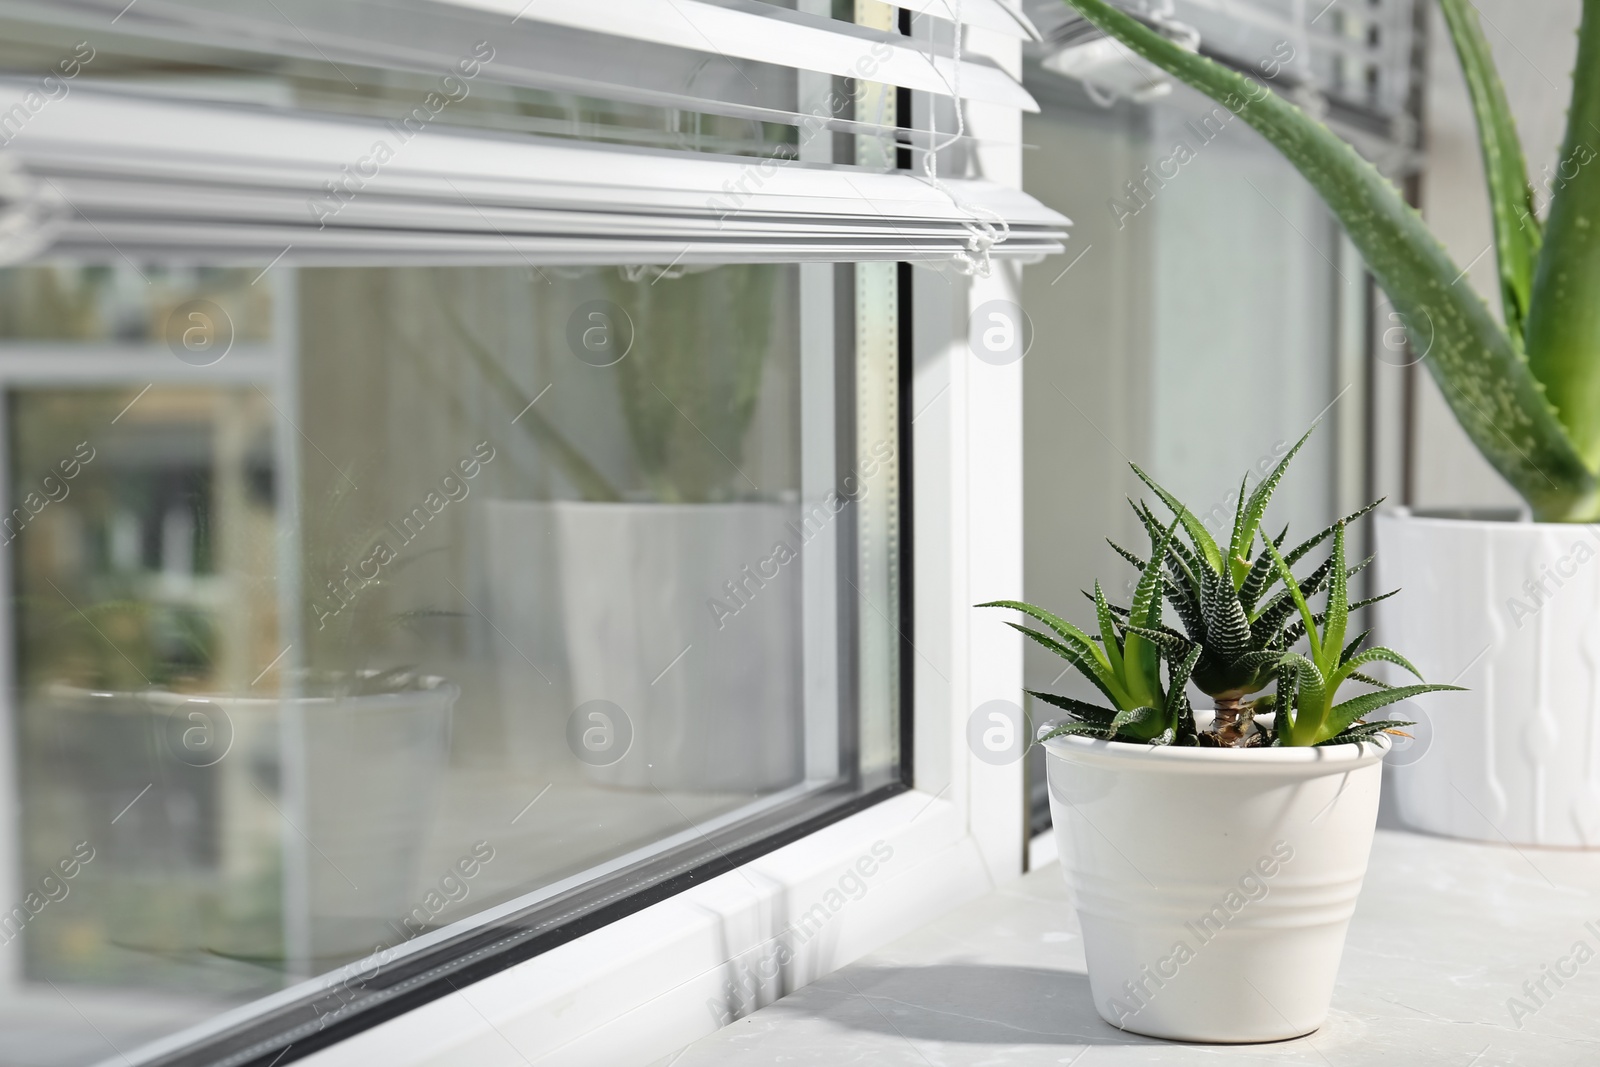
(399, 602)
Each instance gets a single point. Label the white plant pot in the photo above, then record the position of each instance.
(1213, 886)
(616, 600)
(1511, 610)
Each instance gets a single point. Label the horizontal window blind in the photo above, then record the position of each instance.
(723, 57)
(100, 175)
(984, 14)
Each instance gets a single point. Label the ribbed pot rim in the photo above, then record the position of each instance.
(1311, 760)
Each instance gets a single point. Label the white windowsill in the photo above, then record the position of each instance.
(1445, 933)
(650, 983)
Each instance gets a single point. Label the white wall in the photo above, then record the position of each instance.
(1533, 45)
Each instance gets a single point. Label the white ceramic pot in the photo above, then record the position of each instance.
(1511, 610)
(617, 604)
(1213, 886)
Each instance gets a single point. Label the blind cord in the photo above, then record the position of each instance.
(987, 228)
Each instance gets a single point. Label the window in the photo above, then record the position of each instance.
(455, 495)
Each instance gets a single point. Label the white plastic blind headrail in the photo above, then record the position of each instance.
(107, 176)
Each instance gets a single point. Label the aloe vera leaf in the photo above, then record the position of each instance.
(579, 471)
(1484, 378)
(1563, 332)
(1516, 226)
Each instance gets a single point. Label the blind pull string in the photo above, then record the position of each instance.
(987, 228)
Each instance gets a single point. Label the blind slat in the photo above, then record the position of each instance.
(776, 36)
(112, 176)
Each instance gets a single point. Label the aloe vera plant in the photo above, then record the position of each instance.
(1526, 391)
(1238, 637)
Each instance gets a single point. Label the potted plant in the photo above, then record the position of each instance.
(1513, 602)
(284, 823)
(657, 605)
(1214, 860)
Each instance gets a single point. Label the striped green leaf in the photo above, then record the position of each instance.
(1249, 518)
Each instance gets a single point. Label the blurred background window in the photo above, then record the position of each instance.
(1204, 276)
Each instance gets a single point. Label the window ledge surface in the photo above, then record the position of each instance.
(1445, 934)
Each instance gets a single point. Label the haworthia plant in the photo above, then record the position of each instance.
(1123, 661)
(1239, 637)
(1526, 393)
(1306, 709)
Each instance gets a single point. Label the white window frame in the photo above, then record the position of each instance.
(646, 985)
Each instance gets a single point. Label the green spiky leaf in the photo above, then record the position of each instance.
(1365, 731)
(1227, 625)
(1196, 529)
(1511, 207)
(1137, 724)
(1092, 713)
(1249, 519)
(1340, 716)
(1495, 396)
(1086, 657)
(1108, 630)
(1378, 654)
(1262, 574)
(1338, 610)
(1065, 729)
